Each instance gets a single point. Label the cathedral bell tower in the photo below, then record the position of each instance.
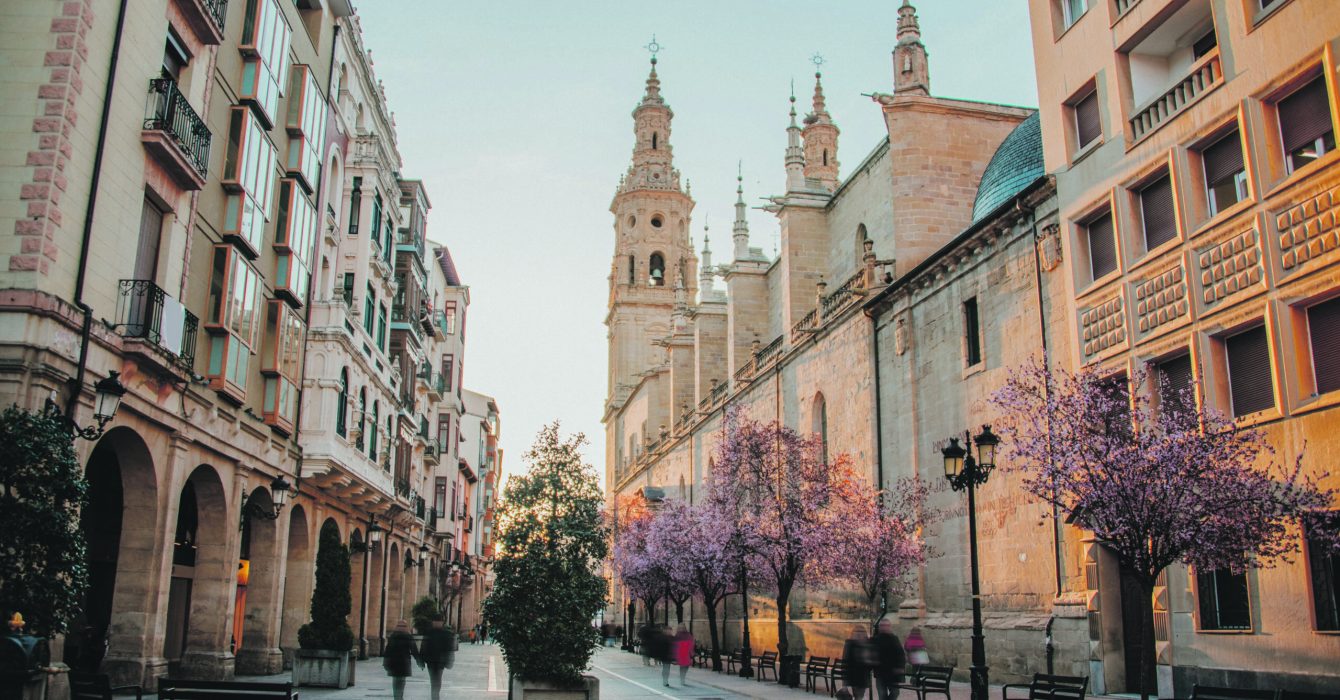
(653, 255)
(821, 139)
(911, 74)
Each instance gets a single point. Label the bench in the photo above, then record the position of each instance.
(169, 689)
(97, 686)
(1049, 687)
(1207, 692)
(736, 658)
(836, 674)
(816, 669)
(925, 680)
(768, 661)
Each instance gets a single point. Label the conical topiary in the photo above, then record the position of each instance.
(331, 603)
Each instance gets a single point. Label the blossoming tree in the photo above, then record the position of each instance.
(883, 541)
(1159, 481)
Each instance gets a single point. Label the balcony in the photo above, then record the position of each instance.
(430, 453)
(150, 318)
(1205, 75)
(206, 19)
(1170, 66)
(407, 242)
(175, 135)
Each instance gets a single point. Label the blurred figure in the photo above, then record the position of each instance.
(890, 660)
(683, 653)
(664, 651)
(395, 659)
(645, 643)
(916, 648)
(483, 633)
(438, 652)
(856, 655)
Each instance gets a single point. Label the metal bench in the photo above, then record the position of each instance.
(1049, 687)
(816, 669)
(766, 662)
(736, 658)
(836, 674)
(1207, 692)
(97, 686)
(169, 689)
(925, 680)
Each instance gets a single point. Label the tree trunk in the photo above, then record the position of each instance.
(712, 630)
(783, 603)
(1146, 644)
(650, 605)
(679, 612)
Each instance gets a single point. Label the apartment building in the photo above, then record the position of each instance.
(1193, 145)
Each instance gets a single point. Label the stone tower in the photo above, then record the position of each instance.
(821, 141)
(911, 74)
(653, 255)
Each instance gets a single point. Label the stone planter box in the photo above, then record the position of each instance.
(323, 669)
(537, 690)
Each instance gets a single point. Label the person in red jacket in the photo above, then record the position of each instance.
(683, 653)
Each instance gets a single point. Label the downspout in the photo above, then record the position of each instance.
(1057, 542)
(879, 440)
(77, 386)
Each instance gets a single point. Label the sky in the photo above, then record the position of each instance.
(517, 117)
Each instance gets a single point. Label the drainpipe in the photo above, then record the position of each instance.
(879, 438)
(1057, 540)
(77, 386)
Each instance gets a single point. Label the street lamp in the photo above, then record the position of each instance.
(109, 391)
(423, 553)
(280, 489)
(964, 472)
(374, 533)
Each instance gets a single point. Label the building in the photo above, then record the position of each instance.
(473, 499)
(1193, 146)
(209, 205)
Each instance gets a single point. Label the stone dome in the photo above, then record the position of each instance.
(1015, 165)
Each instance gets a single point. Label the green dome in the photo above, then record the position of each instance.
(1016, 164)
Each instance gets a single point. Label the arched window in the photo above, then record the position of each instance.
(683, 490)
(342, 403)
(362, 417)
(656, 270)
(825, 156)
(372, 435)
(390, 442)
(861, 237)
(653, 140)
(821, 422)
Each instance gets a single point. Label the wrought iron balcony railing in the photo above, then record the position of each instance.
(170, 113)
(218, 9)
(144, 310)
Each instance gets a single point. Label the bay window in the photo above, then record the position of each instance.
(306, 127)
(264, 47)
(231, 321)
(248, 177)
(295, 234)
(281, 363)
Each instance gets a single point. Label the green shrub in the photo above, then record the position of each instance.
(423, 613)
(331, 603)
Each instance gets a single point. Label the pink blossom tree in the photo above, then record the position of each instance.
(1158, 481)
(695, 547)
(641, 574)
(883, 541)
(671, 544)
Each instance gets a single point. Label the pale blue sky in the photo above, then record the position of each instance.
(517, 117)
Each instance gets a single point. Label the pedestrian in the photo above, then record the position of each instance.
(683, 653)
(483, 633)
(396, 658)
(438, 653)
(890, 660)
(856, 661)
(664, 652)
(645, 643)
(916, 648)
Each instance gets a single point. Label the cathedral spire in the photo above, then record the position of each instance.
(652, 166)
(911, 74)
(706, 278)
(740, 231)
(795, 154)
(653, 95)
(821, 137)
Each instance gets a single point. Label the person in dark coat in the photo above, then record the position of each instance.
(645, 633)
(438, 652)
(396, 657)
(856, 657)
(664, 651)
(890, 660)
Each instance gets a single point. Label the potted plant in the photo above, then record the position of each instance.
(324, 656)
(551, 545)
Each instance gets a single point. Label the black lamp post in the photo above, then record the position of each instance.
(108, 391)
(964, 472)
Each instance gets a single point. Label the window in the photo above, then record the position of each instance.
(281, 363)
(454, 501)
(1250, 381)
(1088, 126)
(231, 320)
(440, 496)
(451, 317)
(1225, 174)
(376, 217)
(1176, 383)
(369, 310)
(1305, 125)
(355, 205)
(175, 57)
(448, 370)
(1222, 599)
(264, 46)
(306, 125)
(656, 277)
(1157, 214)
(1323, 327)
(372, 434)
(248, 176)
(151, 234)
(1102, 245)
(632, 270)
(653, 140)
(295, 234)
(1324, 569)
(347, 289)
(821, 423)
(381, 327)
(972, 338)
(1205, 44)
(444, 434)
(1072, 10)
(342, 404)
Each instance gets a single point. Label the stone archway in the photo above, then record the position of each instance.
(255, 629)
(203, 571)
(358, 558)
(298, 581)
(120, 523)
(395, 586)
(376, 597)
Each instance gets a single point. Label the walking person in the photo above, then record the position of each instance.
(438, 653)
(856, 658)
(483, 633)
(890, 660)
(396, 658)
(645, 633)
(664, 652)
(683, 653)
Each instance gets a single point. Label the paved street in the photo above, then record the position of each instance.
(480, 674)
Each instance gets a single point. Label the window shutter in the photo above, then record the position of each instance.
(1223, 158)
(1102, 245)
(1251, 383)
(1088, 127)
(1175, 380)
(1156, 207)
(1323, 322)
(1304, 116)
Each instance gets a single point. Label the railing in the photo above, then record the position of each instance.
(746, 371)
(805, 324)
(423, 427)
(769, 354)
(420, 509)
(840, 299)
(1124, 5)
(440, 385)
(170, 113)
(402, 487)
(144, 310)
(719, 393)
(406, 238)
(218, 9)
(1205, 74)
(432, 519)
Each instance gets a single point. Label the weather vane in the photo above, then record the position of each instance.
(653, 47)
(817, 59)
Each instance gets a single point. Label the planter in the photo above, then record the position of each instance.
(323, 668)
(539, 690)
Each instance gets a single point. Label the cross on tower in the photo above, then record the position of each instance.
(818, 60)
(653, 47)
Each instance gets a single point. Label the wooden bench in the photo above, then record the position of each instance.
(768, 661)
(925, 680)
(1049, 687)
(169, 689)
(97, 686)
(816, 669)
(836, 673)
(1208, 692)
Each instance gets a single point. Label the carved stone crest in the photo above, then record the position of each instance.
(1049, 247)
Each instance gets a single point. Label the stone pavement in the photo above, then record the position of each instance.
(480, 674)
